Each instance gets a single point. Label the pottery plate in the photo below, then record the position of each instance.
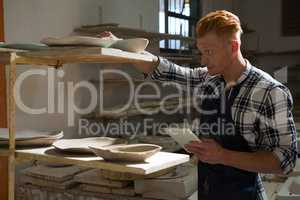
(133, 152)
(77, 41)
(31, 137)
(82, 145)
(132, 45)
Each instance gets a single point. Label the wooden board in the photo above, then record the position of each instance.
(123, 176)
(94, 177)
(3, 115)
(128, 191)
(95, 188)
(29, 191)
(173, 186)
(157, 162)
(47, 183)
(61, 55)
(3, 105)
(56, 174)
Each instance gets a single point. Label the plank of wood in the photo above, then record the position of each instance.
(3, 103)
(62, 55)
(128, 191)
(95, 188)
(157, 162)
(1, 21)
(46, 183)
(3, 114)
(97, 195)
(122, 176)
(12, 126)
(29, 191)
(83, 54)
(56, 174)
(180, 187)
(94, 177)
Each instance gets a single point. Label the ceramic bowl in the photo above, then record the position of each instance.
(131, 153)
(135, 45)
(82, 145)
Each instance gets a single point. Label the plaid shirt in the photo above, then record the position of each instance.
(262, 111)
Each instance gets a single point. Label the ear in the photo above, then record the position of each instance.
(235, 46)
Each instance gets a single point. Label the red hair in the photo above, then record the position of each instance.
(221, 22)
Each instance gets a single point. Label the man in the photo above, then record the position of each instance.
(259, 108)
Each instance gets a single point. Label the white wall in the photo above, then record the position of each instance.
(212, 5)
(131, 13)
(31, 20)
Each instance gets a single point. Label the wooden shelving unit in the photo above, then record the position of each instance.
(56, 57)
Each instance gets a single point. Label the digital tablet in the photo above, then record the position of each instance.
(182, 136)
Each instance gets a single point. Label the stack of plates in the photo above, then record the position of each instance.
(31, 137)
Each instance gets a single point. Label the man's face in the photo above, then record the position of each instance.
(216, 53)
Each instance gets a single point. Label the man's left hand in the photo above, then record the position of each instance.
(207, 150)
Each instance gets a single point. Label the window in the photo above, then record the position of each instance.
(290, 18)
(178, 17)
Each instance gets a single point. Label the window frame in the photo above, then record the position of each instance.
(195, 13)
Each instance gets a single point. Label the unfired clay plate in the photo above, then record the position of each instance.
(132, 45)
(82, 145)
(133, 152)
(30, 134)
(31, 137)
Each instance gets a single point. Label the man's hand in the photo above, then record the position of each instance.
(108, 35)
(211, 152)
(207, 150)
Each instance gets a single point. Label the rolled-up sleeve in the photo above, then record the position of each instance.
(277, 128)
(168, 71)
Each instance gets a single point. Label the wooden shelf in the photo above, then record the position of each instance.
(62, 55)
(157, 162)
